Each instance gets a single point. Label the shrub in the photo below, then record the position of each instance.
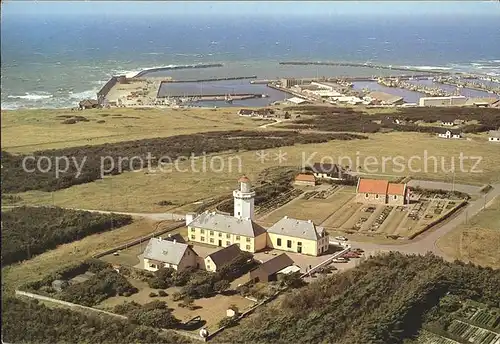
(156, 317)
(221, 285)
(228, 322)
(152, 294)
(177, 296)
(162, 293)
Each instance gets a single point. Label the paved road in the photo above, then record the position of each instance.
(427, 242)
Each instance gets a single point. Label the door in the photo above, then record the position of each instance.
(220, 242)
(299, 247)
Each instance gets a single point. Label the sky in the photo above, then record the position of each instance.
(258, 8)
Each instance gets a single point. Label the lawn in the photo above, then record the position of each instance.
(140, 192)
(26, 131)
(477, 241)
(16, 275)
(317, 210)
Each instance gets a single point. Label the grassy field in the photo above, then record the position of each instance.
(16, 275)
(26, 131)
(478, 241)
(137, 191)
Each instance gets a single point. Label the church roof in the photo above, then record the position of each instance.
(227, 224)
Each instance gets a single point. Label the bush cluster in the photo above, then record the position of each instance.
(15, 179)
(29, 231)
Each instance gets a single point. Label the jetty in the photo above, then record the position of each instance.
(428, 90)
(353, 64)
(179, 67)
(214, 97)
(213, 79)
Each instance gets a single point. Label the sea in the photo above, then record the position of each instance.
(54, 61)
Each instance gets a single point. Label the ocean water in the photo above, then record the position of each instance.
(55, 61)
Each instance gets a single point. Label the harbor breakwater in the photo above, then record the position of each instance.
(178, 67)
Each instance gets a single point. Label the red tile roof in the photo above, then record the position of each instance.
(373, 186)
(396, 189)
(305, 178)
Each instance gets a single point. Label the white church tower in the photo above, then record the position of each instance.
(244, 199)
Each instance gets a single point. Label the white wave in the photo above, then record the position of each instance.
(31, 96)
(84, 95)
(428, 67)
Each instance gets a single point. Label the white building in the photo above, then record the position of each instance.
(297, 101)
(244, 199)
(442, 101)
(170, 254)
(450, 134)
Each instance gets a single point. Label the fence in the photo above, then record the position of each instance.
(138, 241)
(68, 304)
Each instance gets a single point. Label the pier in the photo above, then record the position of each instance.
(213, 79)
(166, 68)
(365, 65)
(215, 97)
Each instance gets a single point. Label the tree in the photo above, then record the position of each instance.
(221, 286)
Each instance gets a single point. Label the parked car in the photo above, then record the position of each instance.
(339, 261)
(341, 238)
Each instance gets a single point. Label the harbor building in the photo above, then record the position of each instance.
(298, 236)
(374, 191)
(382, 98)
(442, 101)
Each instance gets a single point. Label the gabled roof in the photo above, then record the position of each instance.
(301, 177)
(494, 133)
(452, 131)
(396, 189)
(297, 228)
(165, 251)
(177, 237)
(373, 186)
(327, 168)
(225, 255)
(276, 264)
(227, 224)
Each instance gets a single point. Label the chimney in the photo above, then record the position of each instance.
(160, 238)
(175, 241)
(310, 221)
(286, 217)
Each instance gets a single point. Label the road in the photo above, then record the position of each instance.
(427, 241)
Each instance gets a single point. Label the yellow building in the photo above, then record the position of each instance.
(298, 236)
(223, 230)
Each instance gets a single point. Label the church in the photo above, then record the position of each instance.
(222, 230)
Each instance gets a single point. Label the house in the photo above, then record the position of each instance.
(88, 104)
(224, 230)
(246, 113)
(383, 98)
(447, 122)
(214, 261)
(494, 136)
(269, 270)
(449, 133)
(161, 253)
(297, 101)
(329, 171)
(375, 191)
(298, 236)
(305, 179)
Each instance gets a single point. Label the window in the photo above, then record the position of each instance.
(228, 243)
(152, 266)
(395, 197)
(237, 238)
(248, 239)
(212, 240)
(299, 243)
(366, 195)
(376, 196)
(248, 247)
(202, 238)
(193, 229)
(193, 237)
(211, 233)
(208, 266)
(220, 235)
(278, 242)
(202, 231)
(239, 213)
(289, 243)
(228, 236)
